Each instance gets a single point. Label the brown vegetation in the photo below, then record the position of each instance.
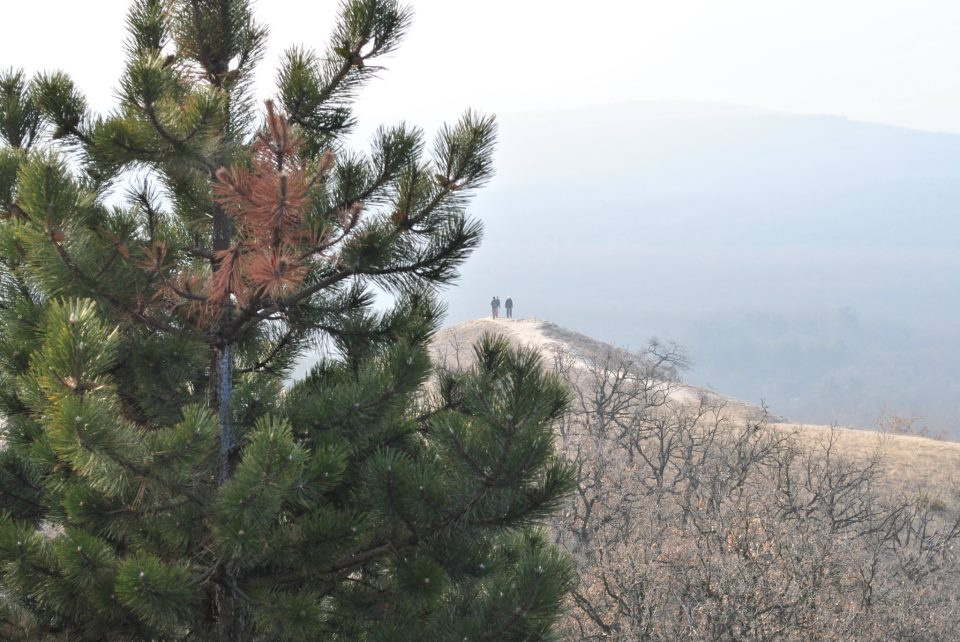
(692, 522)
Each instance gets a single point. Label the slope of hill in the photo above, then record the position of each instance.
(549, 337)
(691, 519)
(910, 463)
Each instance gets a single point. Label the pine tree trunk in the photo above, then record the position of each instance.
(230, 612)
(223, 354)
(231, 620)
(223, 381)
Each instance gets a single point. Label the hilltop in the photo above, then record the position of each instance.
(909, 463)
(549, 337)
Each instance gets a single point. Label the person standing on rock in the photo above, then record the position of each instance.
(509, 306)
(495, 307)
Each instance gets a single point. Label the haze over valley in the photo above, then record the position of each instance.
(808, 262)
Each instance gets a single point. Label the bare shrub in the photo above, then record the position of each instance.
(691, 524)
(894, 424)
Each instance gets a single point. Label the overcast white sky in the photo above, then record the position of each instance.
(886, 61)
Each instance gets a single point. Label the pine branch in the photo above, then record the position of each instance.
(263, 364)
(518, 614)
(89, 283)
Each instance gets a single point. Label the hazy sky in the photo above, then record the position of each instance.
(887, 61)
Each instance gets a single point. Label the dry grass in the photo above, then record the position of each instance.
(911, 463)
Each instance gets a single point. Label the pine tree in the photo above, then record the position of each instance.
(162, 269)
